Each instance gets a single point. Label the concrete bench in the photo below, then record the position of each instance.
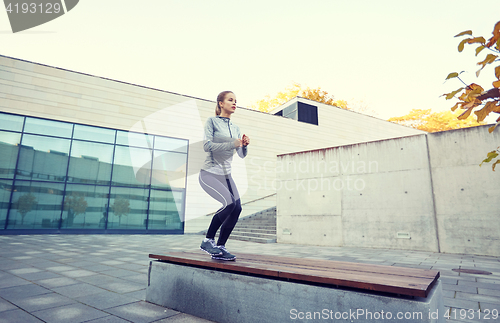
(257, 288)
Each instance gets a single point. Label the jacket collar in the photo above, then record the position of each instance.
(224, 118)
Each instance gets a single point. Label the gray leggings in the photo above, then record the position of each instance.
(223, 189)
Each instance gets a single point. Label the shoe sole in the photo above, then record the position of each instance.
(211, 254)
(225, 259)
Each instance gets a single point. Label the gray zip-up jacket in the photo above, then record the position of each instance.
(220, 134)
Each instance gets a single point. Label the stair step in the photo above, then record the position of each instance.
(252, 239)
(262, 231)
(256, 227)
(254, 235)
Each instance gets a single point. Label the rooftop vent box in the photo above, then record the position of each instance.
(301, 112)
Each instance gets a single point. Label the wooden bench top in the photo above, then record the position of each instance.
(397, 280)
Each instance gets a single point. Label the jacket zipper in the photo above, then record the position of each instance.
(230, 135)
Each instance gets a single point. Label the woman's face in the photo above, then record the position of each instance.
(228, 106)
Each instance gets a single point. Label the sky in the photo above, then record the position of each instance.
(390, 56)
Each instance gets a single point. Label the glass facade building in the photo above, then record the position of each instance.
(60, 177)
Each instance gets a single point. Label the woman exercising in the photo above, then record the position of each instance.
(222, 138)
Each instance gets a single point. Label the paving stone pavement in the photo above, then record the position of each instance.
(102, 278)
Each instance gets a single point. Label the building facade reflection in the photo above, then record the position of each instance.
(63, 177)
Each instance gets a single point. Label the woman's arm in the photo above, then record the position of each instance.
(217, 144)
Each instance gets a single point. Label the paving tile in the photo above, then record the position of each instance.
(18, 316)
(109, 319)
(106, 300)
(460, 303)
(123, 286)
(139, 295)
(183, 318)
(78, 290)
(100, 279)
(22, 271)
(9, 264)
(39, 275)
(478, 297)
(57, 282)
(481, 285)
(43, 264)
(489, 280)
(468, 289)
(133, 266)
(74, 313)
(115, 272)
(492, 307)
(6, 306)
(141, 312)
(11, 281)
(96, 267)
(77, 273)
(61, 269)
(22, 291)
(490, 292)
(41, 302)
(112, 262)
(138, 278)
(449, 281)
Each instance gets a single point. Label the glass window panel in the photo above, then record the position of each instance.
(43, 158)
(128, 208)
(9, 147)
(36, 205)
(5, 190)
(11, 122)
(172, 144)
(134, 139)
(48, 127)
(132, 167)
(94, 134)
(166, 210)
(291, 111)
(169, 169)
(90, 162)
(85, 207)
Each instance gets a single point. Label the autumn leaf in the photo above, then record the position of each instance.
(467, 32)
(488, 60)
(479, 49)
(496, 84)
(452, 75)
(483, 113)
(496, 35)
(497, 72)
(462, 44)
(492, 128)
(493, 166)
(490, 156)
(452, 94)
(476, 40)
(456, 106)
(466, 114)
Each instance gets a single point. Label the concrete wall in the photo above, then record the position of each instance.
(422, 192)
(32, 89)
(467, 196)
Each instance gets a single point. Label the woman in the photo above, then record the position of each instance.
(222, 138)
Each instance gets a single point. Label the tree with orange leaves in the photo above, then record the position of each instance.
(473, 96)
(424, 119)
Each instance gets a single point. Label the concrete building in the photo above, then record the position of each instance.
(85, 154)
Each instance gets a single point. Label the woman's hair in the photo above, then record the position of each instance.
(220, 98)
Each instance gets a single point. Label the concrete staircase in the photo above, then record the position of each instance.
(258, 227)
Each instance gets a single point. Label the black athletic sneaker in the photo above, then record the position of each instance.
(225, 254)
(210, 248)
